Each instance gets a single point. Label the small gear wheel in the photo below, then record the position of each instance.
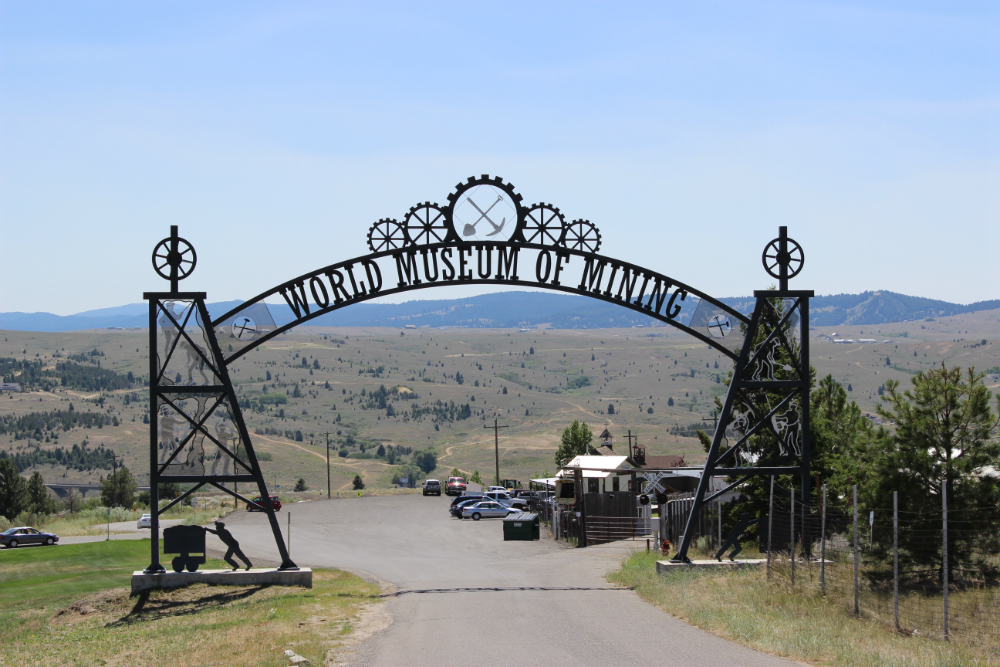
(183, 260)
(773, 258)
(582, 235)
(425, 224)
(386, 234)
(543, 224)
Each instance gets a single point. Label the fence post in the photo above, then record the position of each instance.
(792, 547)
(718, 511)
(770, 524)
(895, 558)
(944, 549)
(822, 546)
(857, 610)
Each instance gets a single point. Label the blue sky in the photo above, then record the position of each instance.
(274, 134)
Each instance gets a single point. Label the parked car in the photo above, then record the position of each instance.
(258, 504)
(22, 535)
(456, 508)
(455, 486)
(432, 487)
(145, 521)
(486, 508)
(504, 498)
(498, 488)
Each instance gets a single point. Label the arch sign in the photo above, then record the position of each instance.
(483, 235)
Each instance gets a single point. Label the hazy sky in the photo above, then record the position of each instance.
(274, 134)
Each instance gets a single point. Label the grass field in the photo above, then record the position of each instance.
(744, 607)
(634, 370)
(70, 605)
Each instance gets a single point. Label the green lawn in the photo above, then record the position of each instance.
(70, 605)
(55, 575)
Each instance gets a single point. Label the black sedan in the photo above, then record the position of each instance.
(22, 535)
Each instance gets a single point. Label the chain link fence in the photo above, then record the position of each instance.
(931, 574)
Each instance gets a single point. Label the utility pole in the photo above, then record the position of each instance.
(327, 434)
(496, 444)
(114, 478)
(630, 437)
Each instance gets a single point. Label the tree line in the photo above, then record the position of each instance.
(32, 374)
(38, 425)
(77, 458)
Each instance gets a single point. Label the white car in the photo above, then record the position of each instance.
(489, 508)
(145, 521)
(498, 488)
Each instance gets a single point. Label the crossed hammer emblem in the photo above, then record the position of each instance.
(469, 230)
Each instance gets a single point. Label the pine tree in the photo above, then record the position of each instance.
(13, 490)
(358, 483)
(39, 501)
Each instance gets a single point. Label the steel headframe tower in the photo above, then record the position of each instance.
(192, 399)
(767, 404)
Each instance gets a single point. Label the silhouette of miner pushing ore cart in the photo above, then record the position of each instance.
(185, 540)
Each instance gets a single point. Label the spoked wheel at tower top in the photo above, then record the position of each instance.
(484, 235)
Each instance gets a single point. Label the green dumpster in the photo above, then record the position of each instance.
(521, 526)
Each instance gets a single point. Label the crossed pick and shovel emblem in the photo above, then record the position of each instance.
(469, 230)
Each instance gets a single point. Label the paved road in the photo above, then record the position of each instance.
(464, 595)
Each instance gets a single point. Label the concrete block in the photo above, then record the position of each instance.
(669, 566)
(254, 577)
(295, 659)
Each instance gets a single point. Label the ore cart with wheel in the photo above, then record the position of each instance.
(186, 541)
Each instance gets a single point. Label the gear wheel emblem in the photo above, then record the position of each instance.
(425, 224)
(543, 224)
(582, 235)
(386, 234)
(485, 209)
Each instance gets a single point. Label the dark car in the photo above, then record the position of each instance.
(466, 496)
(258, 504)
(456, 509)
(23, 535)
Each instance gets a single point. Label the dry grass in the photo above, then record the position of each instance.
(744, 607)
(200, 625)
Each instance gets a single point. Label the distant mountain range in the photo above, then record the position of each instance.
(516, 309)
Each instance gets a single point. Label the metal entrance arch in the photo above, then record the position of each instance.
(483, 235)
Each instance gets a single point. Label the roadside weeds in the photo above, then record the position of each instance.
(742, 606)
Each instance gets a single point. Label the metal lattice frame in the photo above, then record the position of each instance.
(765, 397)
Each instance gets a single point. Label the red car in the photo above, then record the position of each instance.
(455, 486)
(258, 504)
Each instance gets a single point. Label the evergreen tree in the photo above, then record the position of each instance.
(119, 489)
(39, 501)
(358, 483)
(13, 490)
(611, 408)
(300, 485)
(380, 452)
(945, 434)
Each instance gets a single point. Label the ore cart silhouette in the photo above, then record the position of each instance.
(185, 540)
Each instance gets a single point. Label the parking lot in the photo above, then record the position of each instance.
(460, 593)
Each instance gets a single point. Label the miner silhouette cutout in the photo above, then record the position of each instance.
(234, 546)
(733, 539)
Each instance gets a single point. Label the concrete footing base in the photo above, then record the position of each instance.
(254, 577)
(669, 566)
